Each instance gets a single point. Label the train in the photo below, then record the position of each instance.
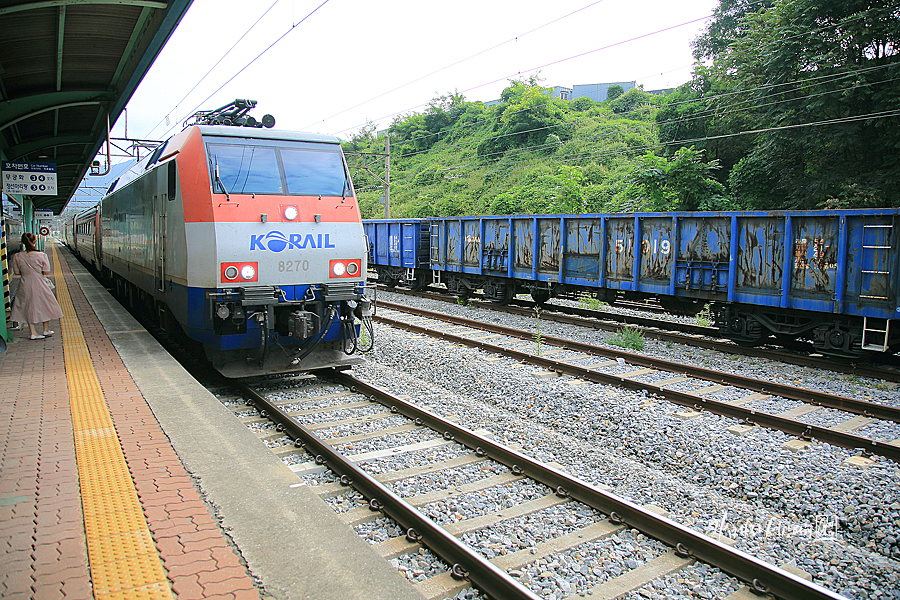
(246, 238)
(828, 277)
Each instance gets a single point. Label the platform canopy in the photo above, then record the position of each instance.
(67, 65)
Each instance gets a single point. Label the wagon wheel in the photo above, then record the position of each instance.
(540, 296)
(418, 282)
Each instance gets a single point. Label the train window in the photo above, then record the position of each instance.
(311, 172)
(155, 155)
(245, 169)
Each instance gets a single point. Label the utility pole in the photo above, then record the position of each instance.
(387, 177)
(369, 162)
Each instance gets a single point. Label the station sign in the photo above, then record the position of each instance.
(43, 213)
(30, 179)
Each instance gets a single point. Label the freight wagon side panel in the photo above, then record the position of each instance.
(548, 250)
(581, 257)
(813, 262)
(656, 259)
(702, 259)
(620, 253)
(416, 251)
(471, 258)
(523, 239)
(873, 266)
(453, 245)
(495, 255)
(760, 260)
(369, 231)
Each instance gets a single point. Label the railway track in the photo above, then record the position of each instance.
(666, 331)
(341, 431)
(698, 385)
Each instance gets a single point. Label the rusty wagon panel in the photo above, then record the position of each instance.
(657, 256)
(523, 246)
(495, 253)
(582, 251)
(704, 250)
(549, 246)
(814, 263)
(620, 252)
(760, 259)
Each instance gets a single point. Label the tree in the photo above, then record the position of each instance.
(525, 117)
(820, 82)
(614, 91)
(682, 183)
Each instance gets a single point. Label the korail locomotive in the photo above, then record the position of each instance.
(247, 238)
(830, 277)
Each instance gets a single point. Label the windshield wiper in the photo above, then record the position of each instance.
(221, 184)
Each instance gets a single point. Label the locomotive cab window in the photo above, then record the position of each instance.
(258, 167)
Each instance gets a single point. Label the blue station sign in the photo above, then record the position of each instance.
(29, 179)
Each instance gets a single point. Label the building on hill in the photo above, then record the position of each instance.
(595, 91)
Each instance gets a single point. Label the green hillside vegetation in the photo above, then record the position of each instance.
(809, 122)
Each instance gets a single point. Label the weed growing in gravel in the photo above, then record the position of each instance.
(705, 317)
(467, 302)
(537, 334)
(590, 302)
(628, 337)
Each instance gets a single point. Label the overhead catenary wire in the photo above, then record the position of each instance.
(539, 67)
(221, 58)
(696, 116)
(458, 62)
(255, 58)
(766, 86)
(855, 17)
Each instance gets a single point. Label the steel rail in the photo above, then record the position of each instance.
(755, 417)
(687, 542)
(851, 405)
(619, 318)
(467, 564)
(555, 313)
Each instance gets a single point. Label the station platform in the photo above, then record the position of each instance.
(122, 477)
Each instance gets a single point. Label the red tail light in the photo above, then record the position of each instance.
(238, 272)
(344, 268)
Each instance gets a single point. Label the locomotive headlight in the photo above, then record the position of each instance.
(231, 272)
(290, 213)
(338, 268)
(248, 272)
(352, 269)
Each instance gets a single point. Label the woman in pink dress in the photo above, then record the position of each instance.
(35, 302)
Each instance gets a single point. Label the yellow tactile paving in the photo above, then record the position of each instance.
(123, 559)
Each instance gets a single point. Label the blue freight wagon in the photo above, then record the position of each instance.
(828, 276)
(399, 248)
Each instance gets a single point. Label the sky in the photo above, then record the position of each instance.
(329, 66)
(351, 61)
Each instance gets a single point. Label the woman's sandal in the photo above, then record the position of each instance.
(37, 337)
(48, 333)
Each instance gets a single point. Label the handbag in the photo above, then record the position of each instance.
(46, 279)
